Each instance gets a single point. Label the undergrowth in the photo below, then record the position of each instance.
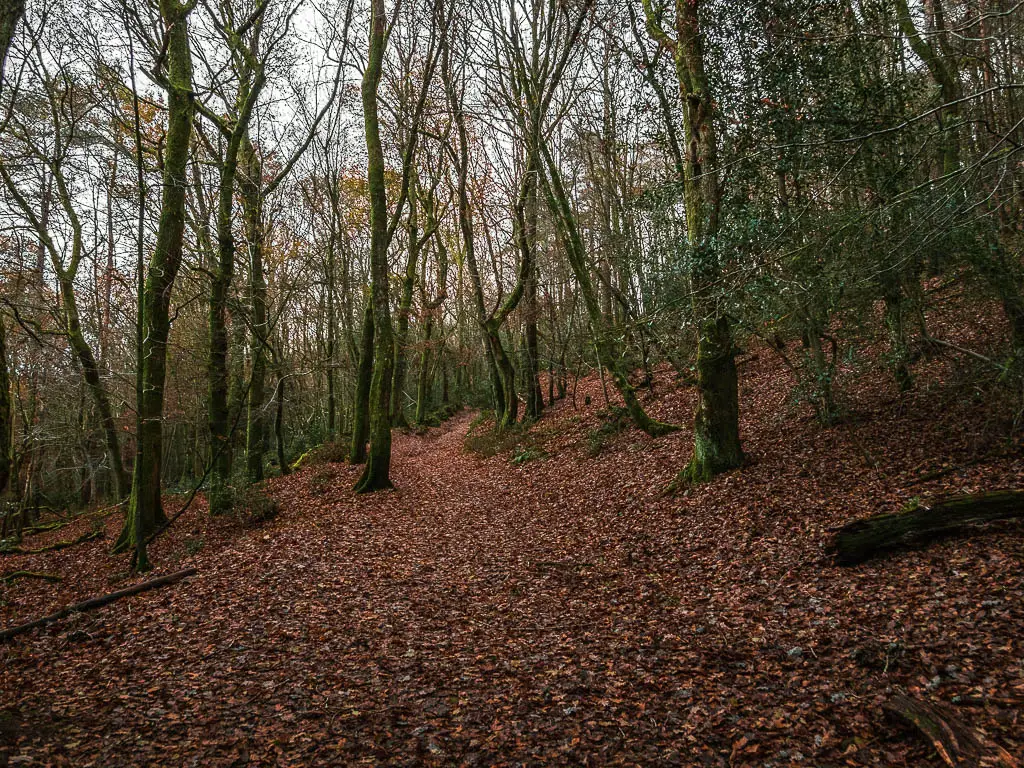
(614, 421)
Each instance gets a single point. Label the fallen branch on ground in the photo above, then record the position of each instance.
(864, 539)
(53, 547)
(97, 602)
(30, 575)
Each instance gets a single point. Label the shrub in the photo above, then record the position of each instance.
(193, 545)
(491, 442)
(525, 453)
(319, 483)
(254, 507)
(614, 420)
(333, 453)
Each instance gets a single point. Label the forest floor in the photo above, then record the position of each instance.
(550, 606)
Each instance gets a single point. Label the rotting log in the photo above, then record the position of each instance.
(869, 537)
(97, 602)
(956, 743)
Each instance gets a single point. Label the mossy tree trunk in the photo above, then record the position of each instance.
(940, 60)
(234, 129)
(377, 472)
(423, 381)
(534, 396)
(279, 397)
(415, 245)
(145, 511)
(332, 316)
(430, 308)
(91, 374)
(11, 12)
(456, 103)
(66, 271)
(864, 539)
(716, 441)
(80, 347)
(251, 188)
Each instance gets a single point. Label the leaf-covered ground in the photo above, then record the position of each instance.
(553, 611)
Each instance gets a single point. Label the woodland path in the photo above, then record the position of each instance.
(558, 612)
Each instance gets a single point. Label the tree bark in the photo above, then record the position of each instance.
(250, 83)
(6, 420)
(959, 745)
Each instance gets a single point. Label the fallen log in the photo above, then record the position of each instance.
(97, 602)
(956, 743)
(869, 537)
(13, 575)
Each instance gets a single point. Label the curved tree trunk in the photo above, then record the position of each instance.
(91, 373)
(145, 511)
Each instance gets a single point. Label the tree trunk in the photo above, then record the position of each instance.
(6, 421)
(892, 293)
(404, 311)
(91, 373)
(607, 352)
(145, 511)
(534, 396)
(332, 320)
(716, 441)
(423, 384)
(377, 472)
(282, 460)
(958, 744)
(455, 100)
(364, 378)
(217, 363)
(250, 184)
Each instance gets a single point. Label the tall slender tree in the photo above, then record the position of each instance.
(145, 508)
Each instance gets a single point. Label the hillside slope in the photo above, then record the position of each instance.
(551, 605)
